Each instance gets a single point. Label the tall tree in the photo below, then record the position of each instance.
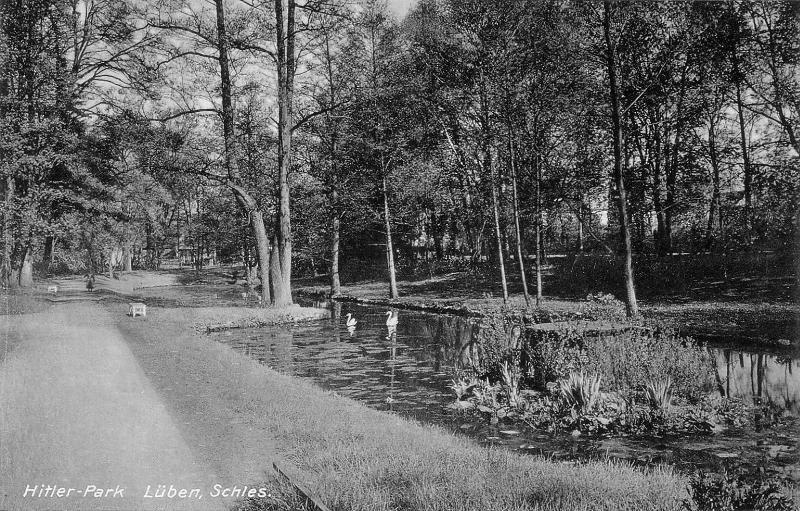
(616, 132)
(234, 181)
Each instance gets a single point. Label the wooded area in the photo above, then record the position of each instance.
(318, 136)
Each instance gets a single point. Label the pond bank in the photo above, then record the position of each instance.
(245, 416)
(215, 319)
(767, 324)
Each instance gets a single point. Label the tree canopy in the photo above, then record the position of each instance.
(327, 136)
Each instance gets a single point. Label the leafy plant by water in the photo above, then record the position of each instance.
(730, 493)
(463, 387)
(659, 394)
(581, 391)
(511, 378)
(631, 360)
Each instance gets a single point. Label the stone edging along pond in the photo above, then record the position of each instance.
(215, 319)
(415, 306)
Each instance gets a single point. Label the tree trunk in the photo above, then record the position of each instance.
(517, 229)
(25, 277)
(6, 279)
(278, 289)
(631, 305)
(178, 236)
(262, 244)
(539, 222)
(285, 57)
(497, 232)
(748, 172)
(336, 286)
(658, 203)
(244, 199)
(389, 248)
(127, 258)
(49, 248)
(336, 217)
(716, 207)
(671, 159)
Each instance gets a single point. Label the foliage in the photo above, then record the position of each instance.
(463, 387)
(602, 306)
(730, 493)
(659, 394)
(551, 355)
(580, 391)
(511, 380)
(630, 360)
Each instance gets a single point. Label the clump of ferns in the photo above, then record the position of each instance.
(659, 394)
(580, 391)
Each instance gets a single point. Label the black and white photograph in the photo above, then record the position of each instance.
(399, 255)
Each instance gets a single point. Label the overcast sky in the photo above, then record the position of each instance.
(400, 7)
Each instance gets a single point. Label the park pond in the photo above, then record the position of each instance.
(409, 372)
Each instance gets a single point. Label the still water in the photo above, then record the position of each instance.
(407, 371)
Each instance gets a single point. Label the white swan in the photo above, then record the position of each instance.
(392, 320)
(351, 321)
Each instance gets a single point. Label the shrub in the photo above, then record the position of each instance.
(601, 306)
(552, 355)
(728, 493)
(630, 360)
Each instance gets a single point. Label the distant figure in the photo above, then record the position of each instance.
(90, 283)
(351, 321)
(391, 321)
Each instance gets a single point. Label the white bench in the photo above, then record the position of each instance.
(52, 289)
(135, 309)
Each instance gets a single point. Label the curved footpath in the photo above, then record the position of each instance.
(82, 427)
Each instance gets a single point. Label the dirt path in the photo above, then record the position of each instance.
(77, 412)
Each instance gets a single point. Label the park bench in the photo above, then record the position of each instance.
(52, 289)
(135, 309)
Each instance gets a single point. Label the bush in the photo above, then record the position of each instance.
(630, 360)
(552, 355)
(605, 307)
(727, 493)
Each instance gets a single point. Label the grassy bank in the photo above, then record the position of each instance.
(354, 457)
(208, 319)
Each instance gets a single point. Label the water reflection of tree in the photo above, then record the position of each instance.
(758, 377)
(392, 365)
(452, 341)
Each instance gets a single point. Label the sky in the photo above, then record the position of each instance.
(401, 7)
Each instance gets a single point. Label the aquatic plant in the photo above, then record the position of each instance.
(729, 493)
(463, 386)
(511, 378)
(580, 391)
(486, 396)
(659, 394)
